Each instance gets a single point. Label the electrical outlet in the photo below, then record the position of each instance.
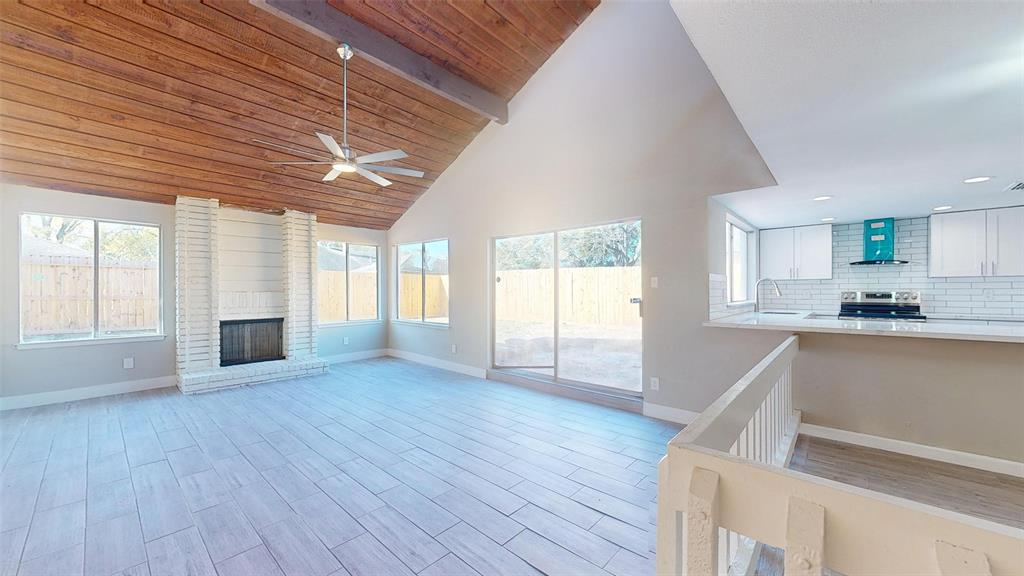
(654, 281)
(455, 348)
(655, 383)
(128, 363)
(345, 340)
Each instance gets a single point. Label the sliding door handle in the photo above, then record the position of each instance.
(639, 302)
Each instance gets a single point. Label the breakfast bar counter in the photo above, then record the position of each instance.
(979, 330)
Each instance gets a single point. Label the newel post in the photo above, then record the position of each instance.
(702, 524)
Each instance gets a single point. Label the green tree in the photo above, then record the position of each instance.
(611, 245)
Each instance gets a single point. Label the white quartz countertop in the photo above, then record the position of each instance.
(945, 329)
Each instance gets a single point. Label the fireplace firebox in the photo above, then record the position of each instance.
(248, 341)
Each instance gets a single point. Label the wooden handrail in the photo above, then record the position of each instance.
(718, 426)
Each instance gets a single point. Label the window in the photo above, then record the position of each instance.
(737, 263)
(88, 279)
(346, 282)
(423, 282)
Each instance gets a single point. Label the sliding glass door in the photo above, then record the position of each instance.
(599, 325)
(567, 305)
(524, 303)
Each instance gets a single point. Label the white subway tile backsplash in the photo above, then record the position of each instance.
(973, 296)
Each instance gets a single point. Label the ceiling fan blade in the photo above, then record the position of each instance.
(331, 144)
(293, 150)
(331, 175)
(381, 156)
(371, 176)
(311, 162)
(394, 170)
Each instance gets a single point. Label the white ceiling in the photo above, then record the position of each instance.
(886, 106)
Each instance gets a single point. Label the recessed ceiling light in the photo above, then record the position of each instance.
(827, 219)
(977, 179)
(941, 208)
(820, 198)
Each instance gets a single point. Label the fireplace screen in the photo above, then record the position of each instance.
(247, 341)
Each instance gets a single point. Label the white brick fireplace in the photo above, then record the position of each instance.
(236, 265)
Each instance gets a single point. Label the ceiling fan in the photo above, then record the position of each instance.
(343, 159)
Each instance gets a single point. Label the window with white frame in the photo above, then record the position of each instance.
(84, 278)
(423, 281)
(347, 282)
(737, 262)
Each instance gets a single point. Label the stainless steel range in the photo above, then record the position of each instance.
(882, 305)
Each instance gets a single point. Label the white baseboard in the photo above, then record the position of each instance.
(353, 356)
(662, 412)
(438, 363)
(86, 392)
(979, 461)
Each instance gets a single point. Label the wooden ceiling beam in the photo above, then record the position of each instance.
(279, 35)
(321, 19)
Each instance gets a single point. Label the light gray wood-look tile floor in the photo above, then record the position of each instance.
(380, 467)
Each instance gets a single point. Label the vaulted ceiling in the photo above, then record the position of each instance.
(151, 100)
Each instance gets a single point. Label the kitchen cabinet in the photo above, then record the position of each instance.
(812, 247)
(801, 253)
(776, 253)
(1005, 241)
(977, 243)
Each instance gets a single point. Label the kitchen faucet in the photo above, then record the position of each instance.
(757, 291)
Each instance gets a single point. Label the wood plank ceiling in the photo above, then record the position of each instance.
(149, 100)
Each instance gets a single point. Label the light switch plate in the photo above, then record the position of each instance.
(655, 383)
(345, 340)
(128, 363)
(654, 281)
(455, 348)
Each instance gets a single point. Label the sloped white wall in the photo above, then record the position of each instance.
(623, 121)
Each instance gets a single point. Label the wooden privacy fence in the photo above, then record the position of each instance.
(331, 293)
(411, 290)
(58, 298)
(596, 295)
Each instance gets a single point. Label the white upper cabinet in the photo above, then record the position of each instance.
(802, 253)
(1005, 241)
(813, 252)
(776, 253)
(956, 244)
(977, 243)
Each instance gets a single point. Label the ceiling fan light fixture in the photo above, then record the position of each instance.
(344, 166)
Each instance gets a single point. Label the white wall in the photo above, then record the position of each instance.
(51, 369)
(978, 297)
(362, 336)
(623, 121)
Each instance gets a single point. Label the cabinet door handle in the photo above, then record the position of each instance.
(982, 267)
(993, 270)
